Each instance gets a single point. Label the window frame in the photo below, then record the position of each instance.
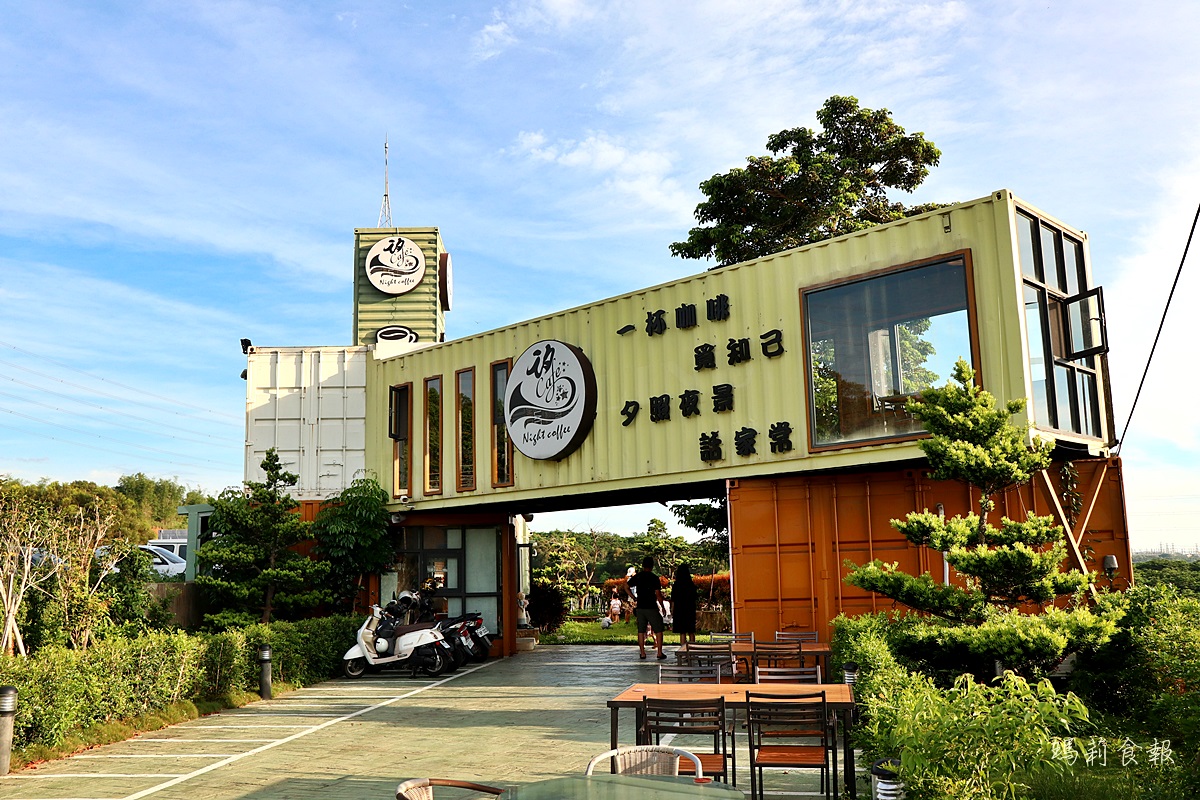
(1054, 318)
(972, 334)
(498, 421)
(430, 489)
(400, 432)
(461, 483)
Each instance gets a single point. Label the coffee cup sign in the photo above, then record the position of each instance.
(550, 400)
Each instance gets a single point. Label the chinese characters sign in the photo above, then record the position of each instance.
(550, 400)
(395, 265)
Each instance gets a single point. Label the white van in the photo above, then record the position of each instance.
(172, 540)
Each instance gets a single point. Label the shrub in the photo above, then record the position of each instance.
(547, 606)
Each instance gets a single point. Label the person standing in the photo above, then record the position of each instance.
(647, 588)
(614, 607)
(683, 598)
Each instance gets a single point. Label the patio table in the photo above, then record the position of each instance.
(838, 696)
(622, 787)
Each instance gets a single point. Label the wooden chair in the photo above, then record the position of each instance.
(647, 759)
(704, 718)
(787, 674)
(687, 673)
(706, 655)
(719, 637)
(782, 729)
(422, 788)
(796, 636)
(777, 654)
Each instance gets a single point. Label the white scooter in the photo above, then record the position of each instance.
(384, 643)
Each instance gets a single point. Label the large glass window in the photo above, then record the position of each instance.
(433, 435)
(1065, 329)
(465, 391)
(875, 342)
(464, 562)
(502, 446)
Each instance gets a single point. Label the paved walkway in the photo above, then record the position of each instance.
(506, 722)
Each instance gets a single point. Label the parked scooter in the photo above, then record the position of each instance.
(384, 641)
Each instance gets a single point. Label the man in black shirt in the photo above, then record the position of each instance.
(648, 590)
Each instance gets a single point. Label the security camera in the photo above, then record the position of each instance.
(405, 499)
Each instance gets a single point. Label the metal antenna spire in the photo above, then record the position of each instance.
(385, 210)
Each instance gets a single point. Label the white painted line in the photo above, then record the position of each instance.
(212, 727)
(297, 735)
(207, 740)
(166, 756)
(94, 775)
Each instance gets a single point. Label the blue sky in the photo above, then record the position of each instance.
(174, 176)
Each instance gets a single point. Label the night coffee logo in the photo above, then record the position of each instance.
(397, 333)
(395, 265)
(550, 401)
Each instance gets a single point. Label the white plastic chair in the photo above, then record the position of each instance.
(647, 759)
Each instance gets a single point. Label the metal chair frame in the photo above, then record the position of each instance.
(703, 717)
(707, 655)
(776, 717)
(777, 654)
(796, 636)
(689, 673)
(647, 759)
(787, 674)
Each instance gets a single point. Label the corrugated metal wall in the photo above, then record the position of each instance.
(790, 536)
(763, 295)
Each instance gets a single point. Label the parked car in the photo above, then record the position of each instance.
(177, 546)
(163, 561)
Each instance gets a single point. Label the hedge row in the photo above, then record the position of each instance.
(60, 691)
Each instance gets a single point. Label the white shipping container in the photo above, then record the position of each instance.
(309, 403)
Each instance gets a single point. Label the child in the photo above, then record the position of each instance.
(614, 608)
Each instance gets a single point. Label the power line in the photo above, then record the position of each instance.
(102, 449)
(98, 435)
(106, 410)
(170, 400)
(1161, 322)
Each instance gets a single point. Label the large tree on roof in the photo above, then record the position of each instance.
(812, 186)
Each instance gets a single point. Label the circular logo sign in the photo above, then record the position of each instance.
(550, 400)
(395, 265)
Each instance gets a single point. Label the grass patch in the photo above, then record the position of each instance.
(592, 633)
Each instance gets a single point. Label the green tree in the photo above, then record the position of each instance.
(576, 561)
(251, 574)
(156, 498)
(1006, 567)
(352, 535)
(813, 186)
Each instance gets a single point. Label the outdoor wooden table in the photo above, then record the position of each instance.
(839, 697)
(622, 787)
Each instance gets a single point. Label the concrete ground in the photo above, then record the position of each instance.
(507, 722)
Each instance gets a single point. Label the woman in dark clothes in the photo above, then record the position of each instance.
(683, 602)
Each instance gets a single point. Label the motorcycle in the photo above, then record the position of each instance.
(384, 641)
(476, 638)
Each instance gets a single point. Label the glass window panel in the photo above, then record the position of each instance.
(454, 606)
(1085, 324)
(454, 539)
(482, 560)
(1089, 406)
(1051, 261)
(435, 539)
(433, 434)
(876, 341)
(443, 568)
(1037, 354)
(1026, 233)
(502, 447)
(1063, 386)
(1073, 265)
(466, 429)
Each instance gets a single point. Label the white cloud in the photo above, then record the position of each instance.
(492, 40)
